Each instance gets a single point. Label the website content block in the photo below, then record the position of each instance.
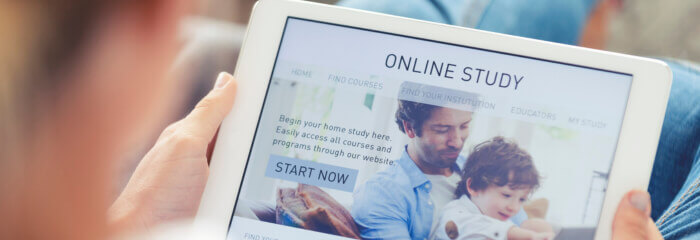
(372, 135)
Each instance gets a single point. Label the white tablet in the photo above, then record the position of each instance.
(351, 124)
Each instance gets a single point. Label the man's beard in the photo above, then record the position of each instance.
(447, 158)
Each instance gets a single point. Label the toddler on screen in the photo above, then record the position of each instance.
(497, 179)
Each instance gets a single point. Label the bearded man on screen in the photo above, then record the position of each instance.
(403, 201)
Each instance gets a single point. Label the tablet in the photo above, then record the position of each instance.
(351, 124)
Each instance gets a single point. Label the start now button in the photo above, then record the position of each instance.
(311, 173)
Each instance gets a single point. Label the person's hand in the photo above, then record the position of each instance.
(169, 181)
(520, 233)
(543, 236)
(537, 225)
(632, 219)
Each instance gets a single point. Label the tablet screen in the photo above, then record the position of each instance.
(367, 134)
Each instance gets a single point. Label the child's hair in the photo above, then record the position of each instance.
(498, 162)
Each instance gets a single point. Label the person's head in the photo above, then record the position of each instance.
(437, 133)
(87, 80)
(498, 177)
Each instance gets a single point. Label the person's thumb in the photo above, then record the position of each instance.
(632, 219)
(208, 114)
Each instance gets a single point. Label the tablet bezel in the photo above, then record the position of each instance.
(636, 147)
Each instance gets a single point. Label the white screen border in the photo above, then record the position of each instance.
(636, 145)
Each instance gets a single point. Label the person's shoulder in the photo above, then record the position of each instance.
(390, 185)
(384, 194)
(391, 178)
(460, 206)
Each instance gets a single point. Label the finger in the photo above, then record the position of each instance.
(208, 114)
(653, 230)
(632, 217)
